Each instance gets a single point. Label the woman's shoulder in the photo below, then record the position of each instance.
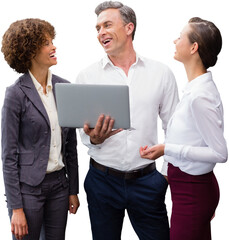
(59, 79)
(15, 87)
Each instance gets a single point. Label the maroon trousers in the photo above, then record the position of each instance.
(195, 199)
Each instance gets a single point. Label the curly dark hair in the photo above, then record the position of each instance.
(23, 40)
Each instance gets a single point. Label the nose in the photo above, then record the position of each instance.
(175, 41)
(101, 31)
(53, 47)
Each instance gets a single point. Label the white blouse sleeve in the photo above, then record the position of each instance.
(208, 116)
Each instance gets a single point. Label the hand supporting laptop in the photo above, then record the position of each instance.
(103, 129)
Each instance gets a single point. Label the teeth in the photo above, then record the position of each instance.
(52, 55)
(106, 41)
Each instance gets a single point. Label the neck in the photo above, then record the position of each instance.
(193, 70)
(125, 59)
(41, 76)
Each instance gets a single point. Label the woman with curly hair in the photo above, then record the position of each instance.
(40, 165)
(195, 135)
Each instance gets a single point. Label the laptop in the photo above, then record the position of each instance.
(78, 104)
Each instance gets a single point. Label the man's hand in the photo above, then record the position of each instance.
(102, 130)
(153, 152)
(73, 204)
(19, 226)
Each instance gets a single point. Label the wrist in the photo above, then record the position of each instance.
(95, 142)
(18, 210)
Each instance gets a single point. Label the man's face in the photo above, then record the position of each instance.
(112, 32)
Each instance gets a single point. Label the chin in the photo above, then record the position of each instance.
(55, 63)
(176, 58)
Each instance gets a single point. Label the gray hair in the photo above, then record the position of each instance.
(127, 13)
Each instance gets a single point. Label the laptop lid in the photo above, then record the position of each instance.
(78, 104)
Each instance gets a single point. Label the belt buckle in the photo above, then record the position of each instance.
(132, 174)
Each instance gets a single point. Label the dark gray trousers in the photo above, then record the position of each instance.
(47, 205)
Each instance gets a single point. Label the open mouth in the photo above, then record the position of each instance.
(52, 55)
(106, 41)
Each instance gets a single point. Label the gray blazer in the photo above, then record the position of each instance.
(26, 138)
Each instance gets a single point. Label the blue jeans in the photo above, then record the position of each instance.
(143, 198)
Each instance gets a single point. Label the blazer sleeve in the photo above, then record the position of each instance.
(10, 124)
(71, 160)
(69, 151)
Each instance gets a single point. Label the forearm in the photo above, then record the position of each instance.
(191, 153)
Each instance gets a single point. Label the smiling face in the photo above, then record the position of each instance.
(45, 58)
(112, 31)
(183, 45)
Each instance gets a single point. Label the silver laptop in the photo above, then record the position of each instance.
(83, 103)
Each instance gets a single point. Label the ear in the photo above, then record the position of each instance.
(129, 28)
(194, 47)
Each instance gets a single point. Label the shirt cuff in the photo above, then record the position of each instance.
(90, 145)
(173, 150)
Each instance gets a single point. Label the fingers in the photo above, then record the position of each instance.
(103, 129)
(97, 129)
(153, 152)
(103, 126)
(113, 132)
(106, 127)
(19, 226)
(146, 153)
(73, 204)
(142, 150)
(19, 231)
(99, 125)
(72, 209)
(86, 129)
(12, 229)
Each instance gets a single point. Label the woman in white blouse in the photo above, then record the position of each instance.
(194, 139)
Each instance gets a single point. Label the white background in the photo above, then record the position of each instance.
(158, 24)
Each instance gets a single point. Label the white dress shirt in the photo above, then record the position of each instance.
(55, 161)
(153, 92)
(194, 139)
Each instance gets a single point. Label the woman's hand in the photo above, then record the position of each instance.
(153, 152)
(19, 226)
(73, 204)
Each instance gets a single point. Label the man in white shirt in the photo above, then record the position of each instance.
(118, 177)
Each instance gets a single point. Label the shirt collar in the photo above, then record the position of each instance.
(106, 61)
(195, 83)
(38, 85)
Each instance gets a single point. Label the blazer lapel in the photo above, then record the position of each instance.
(30, 91)
(54, 81)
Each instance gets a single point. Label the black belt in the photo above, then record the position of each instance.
(122, 174)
